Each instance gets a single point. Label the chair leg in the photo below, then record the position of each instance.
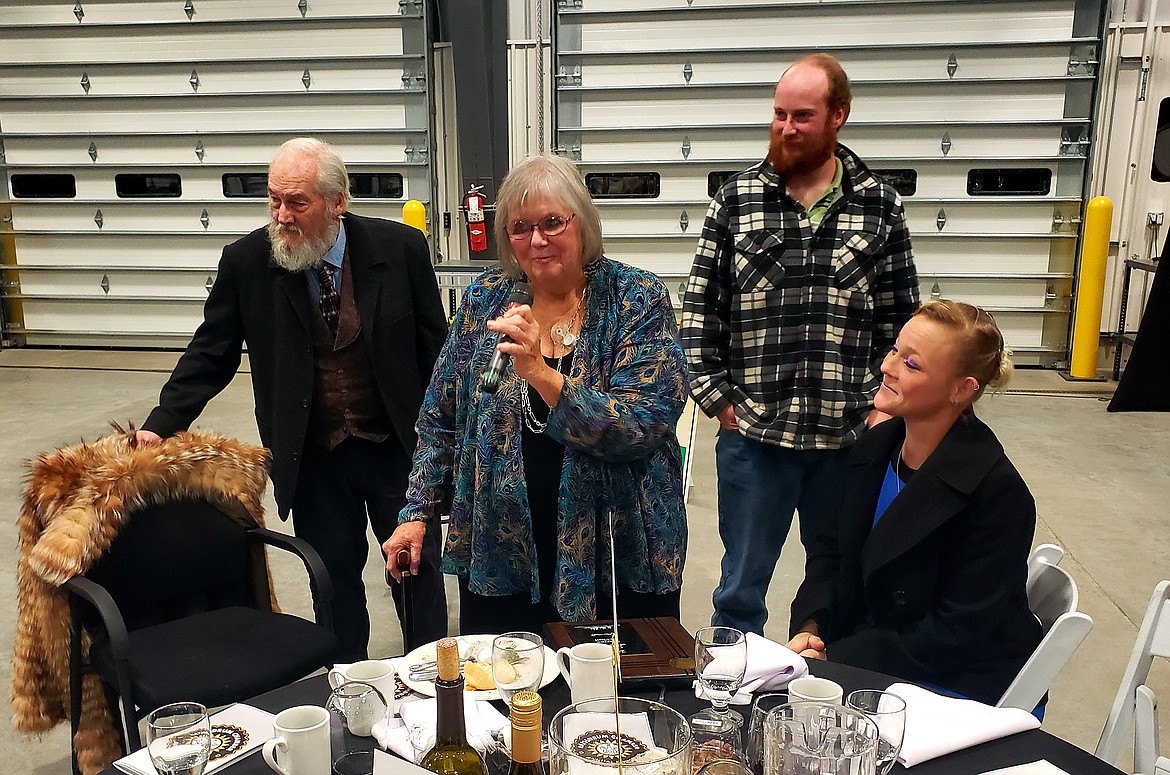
(129, 710)
(75, 678)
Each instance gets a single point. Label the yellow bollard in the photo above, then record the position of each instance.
(1091, 288)
(414, 213)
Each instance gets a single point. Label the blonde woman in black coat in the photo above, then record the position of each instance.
(925, 576)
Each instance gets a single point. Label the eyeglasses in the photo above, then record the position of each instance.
(549, 225)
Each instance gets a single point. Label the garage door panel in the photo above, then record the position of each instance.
(198, 43)
(948, 103)
(203, 11)
(1021, 293)
(175, 79)
(699, 68)
(117, 317)
(886, 140)
(936, 178)
(301, 113)
(989, 255)
(101, 285)
(195, 251)
(1020, 217)
(383, 147)
(230, 220)
(846, 25)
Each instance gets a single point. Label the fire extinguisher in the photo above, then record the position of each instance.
(476, 228)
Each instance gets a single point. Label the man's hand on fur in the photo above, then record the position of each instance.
(146, 438)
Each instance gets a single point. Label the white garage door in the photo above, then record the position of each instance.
(135, 135)
(978, 111)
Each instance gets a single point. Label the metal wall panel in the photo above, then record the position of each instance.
(198, 90)
(941, 88)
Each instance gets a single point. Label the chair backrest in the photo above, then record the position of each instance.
(174, 559)
(1050, 554)
(1052, 597)
(1153, 640)
(1051, 592)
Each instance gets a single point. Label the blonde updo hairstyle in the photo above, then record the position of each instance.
(980, 350)
(558, 180)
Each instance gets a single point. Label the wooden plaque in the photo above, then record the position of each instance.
(657, 649)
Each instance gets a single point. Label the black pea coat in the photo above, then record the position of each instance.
(935, 592)
(256, 303)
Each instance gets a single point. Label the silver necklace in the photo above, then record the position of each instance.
(531, 421)
(898, 467)
(564, 332)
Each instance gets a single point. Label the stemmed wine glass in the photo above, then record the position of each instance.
(888, 712)
(517, 663)
(720, 663)
(178, 737)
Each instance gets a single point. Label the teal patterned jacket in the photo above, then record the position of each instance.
(616, 419)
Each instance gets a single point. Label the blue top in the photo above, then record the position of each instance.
(891, 486)
(616, 419)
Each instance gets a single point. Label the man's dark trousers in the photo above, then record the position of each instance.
(338, 492)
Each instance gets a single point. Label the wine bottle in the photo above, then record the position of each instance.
(452, 754)
(526, 759)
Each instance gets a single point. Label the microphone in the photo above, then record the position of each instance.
(490, 380)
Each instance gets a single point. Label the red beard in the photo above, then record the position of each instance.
(802, 154)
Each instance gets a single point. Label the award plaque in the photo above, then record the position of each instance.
(652, 650)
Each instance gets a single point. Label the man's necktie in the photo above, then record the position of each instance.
(330, 300)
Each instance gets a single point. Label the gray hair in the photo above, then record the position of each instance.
(332, 176)
(558, 180)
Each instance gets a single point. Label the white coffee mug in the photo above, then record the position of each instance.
(588, 670)
(300, 741)
(809, 688)
(378, 673)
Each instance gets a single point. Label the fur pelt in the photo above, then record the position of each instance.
(75, 501)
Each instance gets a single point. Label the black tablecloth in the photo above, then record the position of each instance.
(1018, 749)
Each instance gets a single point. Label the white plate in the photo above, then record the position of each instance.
(467, 643)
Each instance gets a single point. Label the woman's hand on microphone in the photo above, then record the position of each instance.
(520, 326)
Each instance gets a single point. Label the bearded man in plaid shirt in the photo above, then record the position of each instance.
(802, 278)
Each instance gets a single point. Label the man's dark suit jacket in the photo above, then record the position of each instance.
(936, 592)
(257, 303)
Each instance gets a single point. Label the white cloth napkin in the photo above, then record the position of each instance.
(1041, 767)
(413, 734)
(770, 666)
(937, 725)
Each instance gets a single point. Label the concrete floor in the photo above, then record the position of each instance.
(1100, 480)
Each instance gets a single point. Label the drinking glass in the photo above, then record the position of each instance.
(632, 737)
(720, 663)
(888, 711)
(754, 745)
(517, 663)
(819, 737)
(178, 737)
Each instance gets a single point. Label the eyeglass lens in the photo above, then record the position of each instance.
(550, 226)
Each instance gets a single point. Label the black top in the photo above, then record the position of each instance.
(543, 459)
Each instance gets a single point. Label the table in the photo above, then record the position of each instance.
(1005, 752)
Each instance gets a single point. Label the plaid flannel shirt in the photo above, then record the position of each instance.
(789, 324)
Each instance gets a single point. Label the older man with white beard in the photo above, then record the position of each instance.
(802, 277)
(343, 322)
